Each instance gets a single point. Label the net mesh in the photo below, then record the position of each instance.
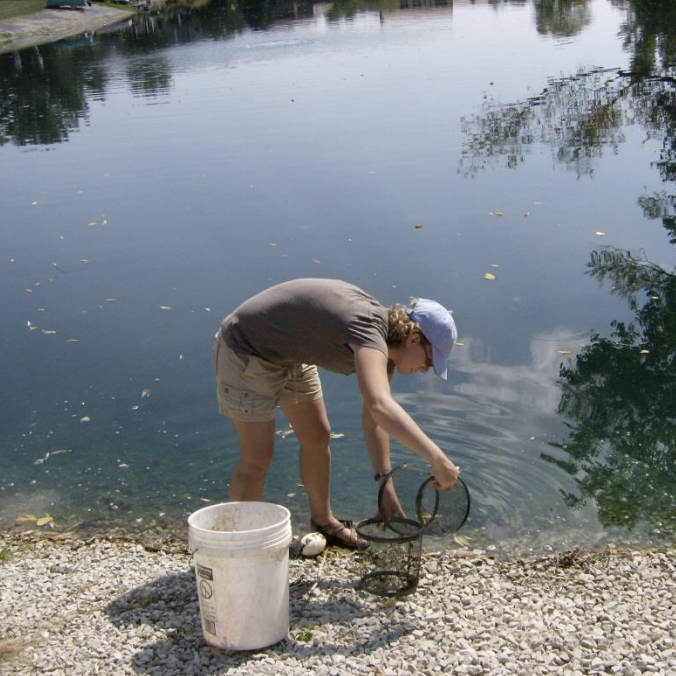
(391, 566)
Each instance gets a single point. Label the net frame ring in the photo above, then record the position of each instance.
(411, 526)
(391, 524)
(424, 522)
(419, 505)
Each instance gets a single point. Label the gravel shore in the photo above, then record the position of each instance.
(107, 607)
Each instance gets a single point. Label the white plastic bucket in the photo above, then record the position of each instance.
(241, 552)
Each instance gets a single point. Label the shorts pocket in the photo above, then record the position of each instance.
(237, 404)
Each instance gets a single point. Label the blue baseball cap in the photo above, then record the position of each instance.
(438, 327)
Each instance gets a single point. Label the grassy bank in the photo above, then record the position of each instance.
(10, 9)
(13, 9)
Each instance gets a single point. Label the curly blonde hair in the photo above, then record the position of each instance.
(400, 326)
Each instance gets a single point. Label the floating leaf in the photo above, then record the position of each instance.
(91, 224)
(26, 517)
(85, 419)
(526, 214)
(145, 394)
(417, 226)
(600, 233)
(205, 499)
(497, 213)
(489, 276)
(337, 435)
(644, 352)
(28, 290)
(111, 300)
(461, 344)
(461, 540)
(564, 352)
(44, 520)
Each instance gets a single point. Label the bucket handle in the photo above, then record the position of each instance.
(191, 560)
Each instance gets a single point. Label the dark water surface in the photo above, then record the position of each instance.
(156, 176)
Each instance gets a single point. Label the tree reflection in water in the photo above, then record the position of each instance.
(619, 394)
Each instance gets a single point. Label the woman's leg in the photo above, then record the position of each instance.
(257, 445)
(311, 426)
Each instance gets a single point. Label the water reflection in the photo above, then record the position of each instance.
(47, 89)
(562, 18)
(46, 94)
(649, 35)
(618, 393)
(501, 417)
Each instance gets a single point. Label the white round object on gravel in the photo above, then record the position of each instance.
(312, 544)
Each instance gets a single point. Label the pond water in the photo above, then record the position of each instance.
(498, 157)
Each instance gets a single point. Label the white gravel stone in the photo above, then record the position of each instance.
(114, 608)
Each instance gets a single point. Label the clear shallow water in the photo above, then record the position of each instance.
(175, 168)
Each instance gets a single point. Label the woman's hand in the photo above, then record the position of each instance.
(390, 504)
(445, 474)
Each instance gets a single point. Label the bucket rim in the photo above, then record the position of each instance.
(286, 517)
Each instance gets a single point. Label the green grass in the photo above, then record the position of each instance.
(10, 9)
(5, 554)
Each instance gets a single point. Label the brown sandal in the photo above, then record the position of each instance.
(331, 534)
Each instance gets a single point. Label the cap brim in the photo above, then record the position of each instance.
(439, 363)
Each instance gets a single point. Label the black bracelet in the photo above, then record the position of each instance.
(381, 475)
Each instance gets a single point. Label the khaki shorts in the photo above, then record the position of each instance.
(250, 389)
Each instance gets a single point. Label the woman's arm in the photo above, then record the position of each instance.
(377, 443)
(390, 417)
(378, 446)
